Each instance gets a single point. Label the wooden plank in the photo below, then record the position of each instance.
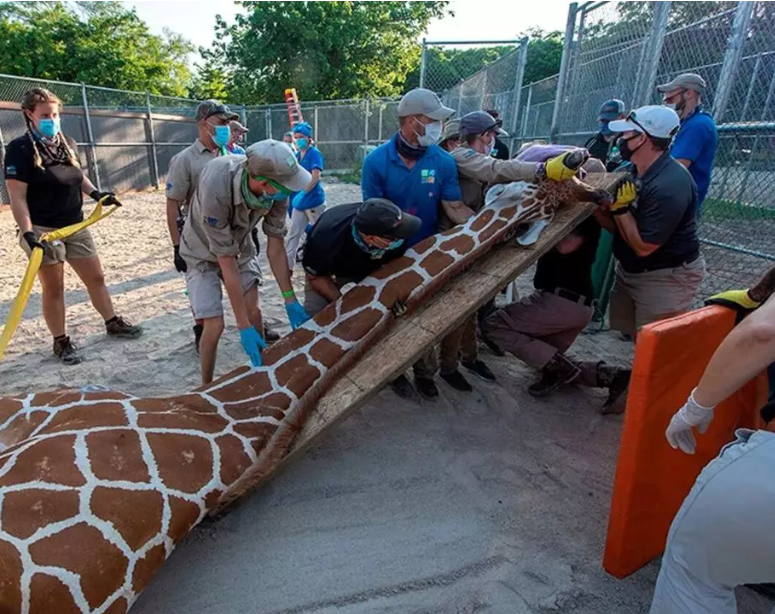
(411, 337)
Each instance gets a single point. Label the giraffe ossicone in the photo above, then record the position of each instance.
(97, 486)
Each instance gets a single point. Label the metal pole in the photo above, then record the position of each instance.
(2, 157)
(574, 76)
(154, 157)
(315, 121)
(732, 58)
(527, 110)
(366, 127)
(244, 116)
(268, 123)
(751, 86)
(90, 134)
(422, 63)
(518, 78)
(652, 53)
(381, 115)
(570, 26)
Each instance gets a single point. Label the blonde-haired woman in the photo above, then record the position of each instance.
(46, 186)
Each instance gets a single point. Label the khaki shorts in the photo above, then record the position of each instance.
(203, 283)
(77, 246)
(638, 299)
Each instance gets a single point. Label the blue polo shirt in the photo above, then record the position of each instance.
(312, 160)
(697, 141)
(418, 190)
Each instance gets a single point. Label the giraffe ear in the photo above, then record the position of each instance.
(533, 231)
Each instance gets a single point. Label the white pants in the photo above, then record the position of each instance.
(299, 221)
(722, 536)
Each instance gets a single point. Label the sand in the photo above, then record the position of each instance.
(484, 502)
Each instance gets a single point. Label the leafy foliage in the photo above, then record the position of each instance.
(94, 42)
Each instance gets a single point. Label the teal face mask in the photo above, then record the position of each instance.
(49, 127)
(301, 143)
(221, 136)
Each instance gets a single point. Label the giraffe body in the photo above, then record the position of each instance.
(97, 486)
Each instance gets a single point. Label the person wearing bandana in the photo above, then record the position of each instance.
(349, 243)
(235, 193)
(413, 172)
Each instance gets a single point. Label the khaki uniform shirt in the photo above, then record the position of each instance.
(185, 169)
(219, 222)
(477, 171)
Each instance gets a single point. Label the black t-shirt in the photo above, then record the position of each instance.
(54, 195)
(603, 150)
(331, 250)
(501, 150)
(571, 271)
(665, 212)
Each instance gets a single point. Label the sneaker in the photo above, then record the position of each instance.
(457, 381)
(479, 368)
(402, 387)
(617, 393)
(270, 335)
(66, 351)
(427, 388)
(558, 372)
(121, 329)
(198, 329)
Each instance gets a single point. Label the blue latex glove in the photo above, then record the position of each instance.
(296, 202)
(296, 314)
(252, 343)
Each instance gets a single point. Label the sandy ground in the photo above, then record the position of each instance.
(486, 502)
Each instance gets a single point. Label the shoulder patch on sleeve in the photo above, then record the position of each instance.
(211, 221)
(10, 170)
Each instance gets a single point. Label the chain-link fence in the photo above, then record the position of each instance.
(624, 49)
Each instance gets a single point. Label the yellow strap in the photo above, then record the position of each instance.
(36, 259)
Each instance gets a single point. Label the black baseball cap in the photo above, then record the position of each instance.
(479, 122)
(382, 218)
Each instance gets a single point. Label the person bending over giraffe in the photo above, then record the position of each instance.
(234, 194)
(350, 242)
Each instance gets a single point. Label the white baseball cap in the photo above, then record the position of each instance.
(275, 160)
(657, 121)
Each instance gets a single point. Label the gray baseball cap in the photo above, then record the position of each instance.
(611, 109)
(274, 160)
(237, 127)
(479, 122)
(382, 218)
(420, 101)
(686, 81)
(208, 108)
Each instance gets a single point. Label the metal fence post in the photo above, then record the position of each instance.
(90, 134)
(732, 58)
(422, 63)
(567, 44)
(518, 78)
(154, 157)
(651, 55)
(268, 122)
(244, 116)
(381, 115)
(366, 126)
(315, 121)
(525, 117)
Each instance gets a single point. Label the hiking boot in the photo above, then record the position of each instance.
(617, 391)
(491, 345)
(557, 372)
(457, 381)
(198, 329)
(270, 335)
(479, 368)
(66, 351)
(402, 387)
(121, 329)
(427, 388)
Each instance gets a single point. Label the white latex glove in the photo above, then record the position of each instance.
(679, 432)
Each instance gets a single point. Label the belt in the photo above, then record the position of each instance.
(569, 295)
(647, 269)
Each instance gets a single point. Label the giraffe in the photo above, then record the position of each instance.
(98, 486)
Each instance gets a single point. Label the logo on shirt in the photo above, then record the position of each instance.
(10, 169)
(211, 221)
(169, 185)
(428, 175)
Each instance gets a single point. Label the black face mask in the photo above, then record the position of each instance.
(624, 147)
(407, 150)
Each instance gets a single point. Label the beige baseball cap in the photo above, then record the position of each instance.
(274, 160)
(686, 81)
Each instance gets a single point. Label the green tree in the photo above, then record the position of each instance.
(544, 52)
(325, 50)
(94, 42)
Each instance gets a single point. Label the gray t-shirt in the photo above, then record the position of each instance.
(185, 169)
(665, 212)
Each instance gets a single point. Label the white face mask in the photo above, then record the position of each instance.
(672, 105)
(432, 134)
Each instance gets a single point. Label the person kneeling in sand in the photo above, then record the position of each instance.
(233, 195)
(349, 243)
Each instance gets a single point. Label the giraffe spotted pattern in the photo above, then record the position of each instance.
(97, 486)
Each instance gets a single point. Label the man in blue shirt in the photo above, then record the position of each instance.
(416, 174)
(696, 142)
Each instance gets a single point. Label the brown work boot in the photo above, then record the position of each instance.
(617, 381)
(557, 372)
(66, 351)
(122, 329)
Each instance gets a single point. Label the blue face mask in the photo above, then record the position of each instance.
(302, 143)
(605, 130)
(49, 127)
(221, 136)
